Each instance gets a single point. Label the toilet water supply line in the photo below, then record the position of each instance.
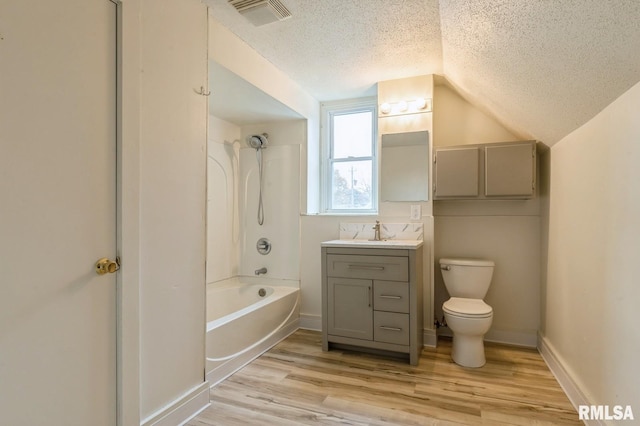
(439, 323)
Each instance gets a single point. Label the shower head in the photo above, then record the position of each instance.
(258, 141)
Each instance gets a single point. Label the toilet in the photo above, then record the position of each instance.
(466, 314)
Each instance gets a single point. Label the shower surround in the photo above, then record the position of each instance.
(232, 211)
(281, 201)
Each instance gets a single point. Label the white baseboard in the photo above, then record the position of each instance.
(311, 322)
(181, 410)
(513, 338)
(430, 338)
(527, 339)
(575, 395)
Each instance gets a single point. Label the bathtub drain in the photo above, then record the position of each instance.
(262, 292)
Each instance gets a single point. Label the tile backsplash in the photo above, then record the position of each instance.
(388, 231)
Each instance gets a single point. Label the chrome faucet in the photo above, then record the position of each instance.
(376, 228)
(262, 270)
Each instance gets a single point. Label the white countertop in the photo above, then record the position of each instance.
(393, 244)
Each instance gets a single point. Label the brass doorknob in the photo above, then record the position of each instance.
(106, 266)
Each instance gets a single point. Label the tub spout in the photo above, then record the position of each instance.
(262, 270)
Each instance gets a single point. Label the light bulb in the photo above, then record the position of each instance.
(421, 103)
(402, 106)
(385, 108)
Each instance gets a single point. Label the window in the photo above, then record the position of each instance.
(349, 169)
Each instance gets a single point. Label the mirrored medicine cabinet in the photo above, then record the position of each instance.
(404, 167)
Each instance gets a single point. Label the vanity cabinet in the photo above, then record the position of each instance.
(505, 170)
(372, 299)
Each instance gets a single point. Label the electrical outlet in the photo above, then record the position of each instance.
(416, 212)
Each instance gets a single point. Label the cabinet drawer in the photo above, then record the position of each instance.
(391, 296)
(390, 327)
(369, 267)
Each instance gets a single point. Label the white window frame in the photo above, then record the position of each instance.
(328, 111)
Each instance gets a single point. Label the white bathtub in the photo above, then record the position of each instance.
(241, 324)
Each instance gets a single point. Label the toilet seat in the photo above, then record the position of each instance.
(467, 308)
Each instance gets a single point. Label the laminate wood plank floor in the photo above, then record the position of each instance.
(295, 383)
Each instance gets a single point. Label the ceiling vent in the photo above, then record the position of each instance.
(261, 12)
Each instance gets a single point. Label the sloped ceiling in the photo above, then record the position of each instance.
(542, 68)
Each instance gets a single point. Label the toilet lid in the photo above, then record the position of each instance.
(464, 307)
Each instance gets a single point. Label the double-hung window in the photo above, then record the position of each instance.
(349, 156)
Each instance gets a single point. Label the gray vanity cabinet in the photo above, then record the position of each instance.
(372, 300)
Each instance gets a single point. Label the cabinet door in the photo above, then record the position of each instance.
(456, 172)
(510, 170)
(350, 310)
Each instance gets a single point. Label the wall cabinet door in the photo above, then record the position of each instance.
(510, 170)
(350, 310)
(456, 172)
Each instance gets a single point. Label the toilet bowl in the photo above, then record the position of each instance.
(469, 320)
(466, 314)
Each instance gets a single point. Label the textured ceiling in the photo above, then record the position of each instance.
(338, 49)
(541, 67)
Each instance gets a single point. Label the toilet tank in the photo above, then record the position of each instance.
(468, 278)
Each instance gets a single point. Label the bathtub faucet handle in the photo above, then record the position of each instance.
(263, 246)
(260, 271)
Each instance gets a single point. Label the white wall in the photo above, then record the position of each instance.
(507, 232)
(173, 62)
(592, 292)
(457, 122)
(223, 226)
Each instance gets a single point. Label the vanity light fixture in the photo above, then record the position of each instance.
(415, 106)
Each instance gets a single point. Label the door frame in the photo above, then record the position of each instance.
(128, 212)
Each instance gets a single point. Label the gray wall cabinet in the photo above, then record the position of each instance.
(372, 300)
(505, 170)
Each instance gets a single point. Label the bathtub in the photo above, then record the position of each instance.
(246, 317)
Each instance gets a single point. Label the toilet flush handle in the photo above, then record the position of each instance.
(445, 267)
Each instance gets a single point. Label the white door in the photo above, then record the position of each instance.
(57, 212)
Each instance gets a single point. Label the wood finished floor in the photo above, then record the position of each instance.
(295, 383)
